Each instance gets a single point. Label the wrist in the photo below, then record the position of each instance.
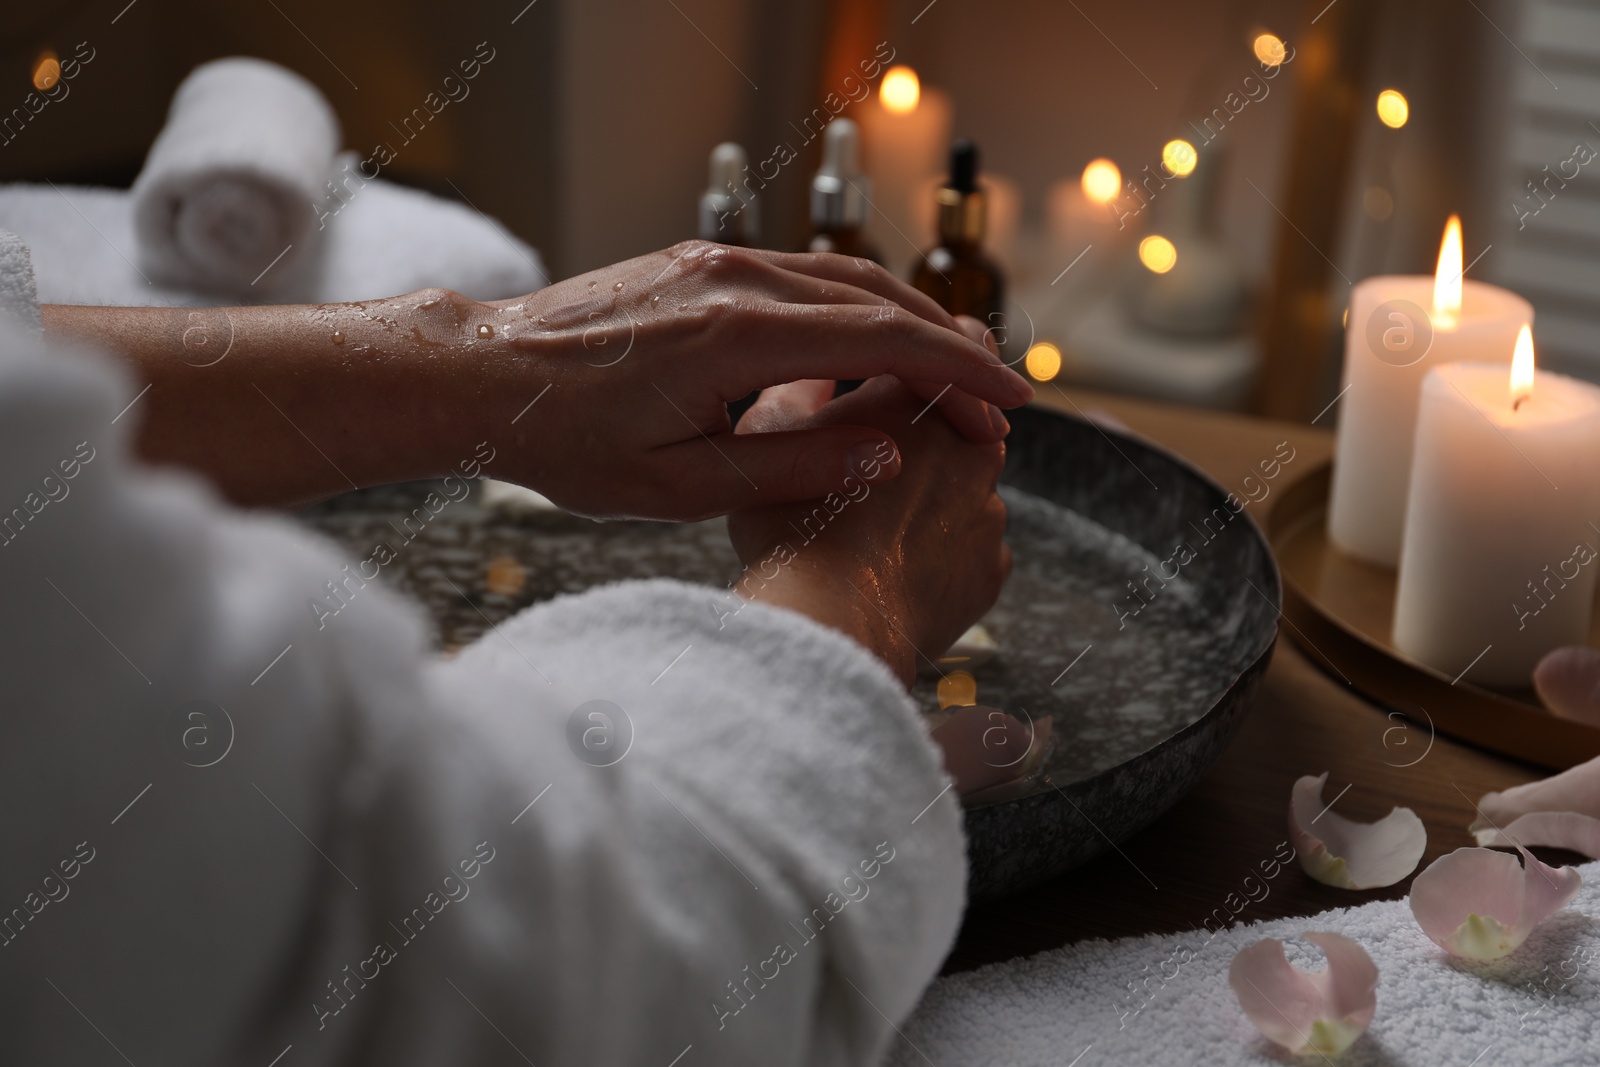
(844, 598)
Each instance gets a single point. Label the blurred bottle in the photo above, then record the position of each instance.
(955, 272)
(728, 209)
(841, 195)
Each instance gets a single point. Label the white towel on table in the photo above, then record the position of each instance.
(228, 188)
(385, 241)
(1541, 1005)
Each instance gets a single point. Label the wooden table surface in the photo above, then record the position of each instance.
(1172, 875)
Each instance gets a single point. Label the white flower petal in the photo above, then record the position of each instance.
(1352, 855)
(1576, 789)
(1555, 829)
(1482, 904)
(1322, 1011)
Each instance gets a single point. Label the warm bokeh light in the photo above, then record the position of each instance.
(1158, 254)
(1102, 181)
(1522, 367)
(958, 689)
(1393, 109)
(1180, 157)
(1447, 278)
(1269, 49)
(46, 72)
(1378, 203)
(900, 90)
(1043, 361)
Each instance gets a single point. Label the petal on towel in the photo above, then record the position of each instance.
(1568, 681)
(1352, 855)
(1322, 1011)
(1555, 829)
(1482, 904)
(1574, 789)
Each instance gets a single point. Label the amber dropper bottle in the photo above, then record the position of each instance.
(841, 195)
(956, 273)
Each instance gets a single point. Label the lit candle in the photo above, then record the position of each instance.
(1498, 563)
(906, 134)
(1082, 211)
(1400, 327)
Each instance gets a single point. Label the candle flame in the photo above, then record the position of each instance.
(1522, 367)
(901, 90)
(1447, 278)
(1102, 181)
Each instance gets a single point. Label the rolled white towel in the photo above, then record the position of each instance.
(19, 299)
(225, 202)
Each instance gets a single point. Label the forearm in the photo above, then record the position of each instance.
(283, 406)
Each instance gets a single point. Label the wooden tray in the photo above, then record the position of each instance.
(1340, 611)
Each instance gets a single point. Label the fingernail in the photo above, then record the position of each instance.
(872, 461)
(997, 420)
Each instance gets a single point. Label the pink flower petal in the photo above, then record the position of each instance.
(1575, 789)
(1568, 681)
(1352, 855)
(1322, 1011)
(1556, 829)
(1482, 904)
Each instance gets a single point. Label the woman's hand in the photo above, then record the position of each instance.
(904, 566)
(643, 356)
(605, 392)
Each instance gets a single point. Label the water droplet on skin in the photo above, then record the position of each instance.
(655, 301)
(617, 287)
(683, 307)
(593, 284)
(543, 321)
(338, 337)
(486, 331)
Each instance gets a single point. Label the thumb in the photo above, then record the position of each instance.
(758, 469)
(786, 407)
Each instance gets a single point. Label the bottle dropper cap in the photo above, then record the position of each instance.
(961, 201)
(964, 166)
(840, 192)
(728, 211)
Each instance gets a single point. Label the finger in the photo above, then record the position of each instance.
(862, 274)
(984, 747)
(855, 341)
(756, 469)
(787, 406)
(977, 420)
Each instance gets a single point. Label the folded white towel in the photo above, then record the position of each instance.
(387, 240)
(19, 298)
(229, 187)
(1143, 1001)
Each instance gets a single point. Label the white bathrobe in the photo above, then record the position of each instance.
(235, 833)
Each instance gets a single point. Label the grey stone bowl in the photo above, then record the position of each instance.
(1144, 656)
(1143, 689)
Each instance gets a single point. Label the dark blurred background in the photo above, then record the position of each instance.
(589, 132)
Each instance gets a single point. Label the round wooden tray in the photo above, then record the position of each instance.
(1340, 611)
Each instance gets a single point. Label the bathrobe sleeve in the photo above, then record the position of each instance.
(644, 825)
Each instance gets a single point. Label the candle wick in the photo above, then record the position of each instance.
(1517, 403)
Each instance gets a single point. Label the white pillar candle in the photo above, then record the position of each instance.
(905, 131)
(1399, 328)
(1498, 562)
